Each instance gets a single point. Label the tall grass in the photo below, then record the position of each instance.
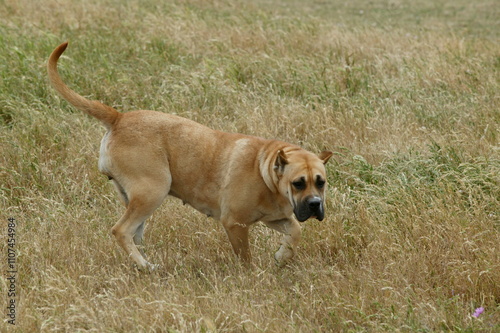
(405, 92)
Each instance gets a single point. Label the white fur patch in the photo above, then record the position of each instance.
(104, 163)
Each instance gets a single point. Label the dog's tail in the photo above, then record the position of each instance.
(106, 114)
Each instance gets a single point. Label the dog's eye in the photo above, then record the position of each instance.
(299, 184)
(320, 183)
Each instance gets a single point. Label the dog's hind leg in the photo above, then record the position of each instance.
(292, 231)
(144, 198)
(138, 237)
(121, 192)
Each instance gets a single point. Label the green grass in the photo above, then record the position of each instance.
(404, 92)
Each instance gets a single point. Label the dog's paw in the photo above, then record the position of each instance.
(284, 255)
(152, 267)
(148, 267)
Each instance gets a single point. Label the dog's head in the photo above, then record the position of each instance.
(302, 179)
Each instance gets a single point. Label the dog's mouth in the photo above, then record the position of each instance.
(311, 207)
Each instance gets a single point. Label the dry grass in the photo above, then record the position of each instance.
(405, 93)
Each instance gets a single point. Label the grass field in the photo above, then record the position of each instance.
(406, 93)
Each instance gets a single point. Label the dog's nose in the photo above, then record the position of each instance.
(314, 203)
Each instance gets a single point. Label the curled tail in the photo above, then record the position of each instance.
(106, 114)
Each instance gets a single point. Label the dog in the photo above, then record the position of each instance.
(235, 178)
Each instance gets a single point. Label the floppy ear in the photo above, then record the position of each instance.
(280, 162)
(325, 156)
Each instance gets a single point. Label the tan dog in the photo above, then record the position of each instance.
(238, 179)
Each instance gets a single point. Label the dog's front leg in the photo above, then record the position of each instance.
(238, 236)
(292, 233)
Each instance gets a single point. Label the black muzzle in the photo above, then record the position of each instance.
(310, 207)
